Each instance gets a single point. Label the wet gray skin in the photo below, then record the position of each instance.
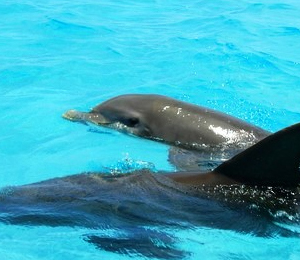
(175, 122)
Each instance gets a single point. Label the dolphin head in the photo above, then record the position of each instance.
(127, 113)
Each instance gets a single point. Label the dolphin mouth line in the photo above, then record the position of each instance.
(120, 127)
(113, 125)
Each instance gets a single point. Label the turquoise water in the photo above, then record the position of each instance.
(240, 57)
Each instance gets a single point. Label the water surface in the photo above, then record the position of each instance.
(241, 58)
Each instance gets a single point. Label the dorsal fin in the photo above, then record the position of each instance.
(273, 161)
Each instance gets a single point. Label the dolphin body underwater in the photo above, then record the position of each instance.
(248, 193)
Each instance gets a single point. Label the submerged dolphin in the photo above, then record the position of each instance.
(175, 122)
(135, 202)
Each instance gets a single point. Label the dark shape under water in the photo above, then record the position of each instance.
(217, 199)
(140, 242)
(134, 202)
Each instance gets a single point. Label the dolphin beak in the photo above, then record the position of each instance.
(77, 116)
(73, 115)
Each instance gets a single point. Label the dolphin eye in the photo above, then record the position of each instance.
(132, 122)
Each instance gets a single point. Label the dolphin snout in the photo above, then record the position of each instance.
(85, 117)
(73, 115)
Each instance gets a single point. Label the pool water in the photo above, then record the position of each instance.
(239, 57)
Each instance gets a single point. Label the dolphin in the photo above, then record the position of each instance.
(247, 193)
(172, 121)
